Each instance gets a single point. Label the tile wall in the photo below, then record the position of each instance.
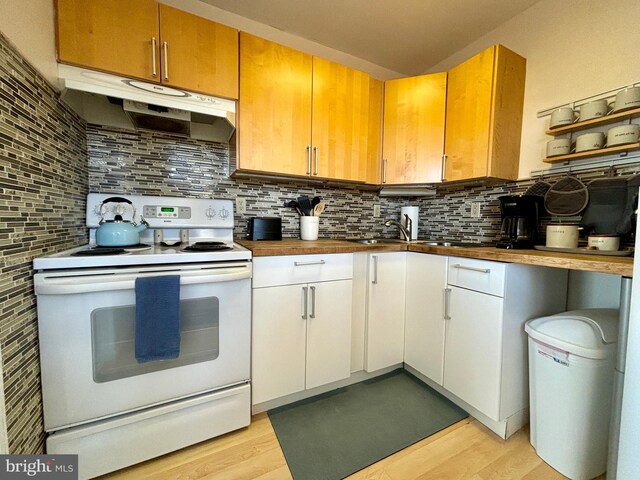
(43, 174)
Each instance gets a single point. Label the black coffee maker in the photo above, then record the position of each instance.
(520, 216)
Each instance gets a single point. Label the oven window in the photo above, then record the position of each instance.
(113, 333)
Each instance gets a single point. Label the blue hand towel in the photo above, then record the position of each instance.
(157, 318)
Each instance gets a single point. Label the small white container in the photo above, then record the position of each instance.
(589, 141)
(562, 116)
(595, 109)
(309, 227)
(562, 236)
(559, 146)
(623, 134)
(604, 242)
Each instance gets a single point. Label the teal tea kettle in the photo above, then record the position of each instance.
(119, 232)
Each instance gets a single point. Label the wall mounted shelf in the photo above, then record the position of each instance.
(595, 122)
(594, 153)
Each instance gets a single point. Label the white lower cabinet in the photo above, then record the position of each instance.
(424, 315)
(301, 335)
(384, 337)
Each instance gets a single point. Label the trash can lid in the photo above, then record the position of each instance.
(587, 333)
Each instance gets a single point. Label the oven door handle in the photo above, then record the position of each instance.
(66, 285)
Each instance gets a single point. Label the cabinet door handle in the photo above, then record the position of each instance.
(165, 47)
(308, 159)
(384, 171)
(444, 167)
(304, 264)
(315, 154)
(313, 302)
(472, 269)
(375, 269)
(304, 303)
(447, 300)
(154, 71)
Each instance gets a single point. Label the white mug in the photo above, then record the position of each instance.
(562, 236)
(623, 134)
(558, 146)
(589, 141)
(626, 99)
(595, 109)
(309, 227)
(562, 116)
(604, 242)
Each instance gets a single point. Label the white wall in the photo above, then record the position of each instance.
(574, 49)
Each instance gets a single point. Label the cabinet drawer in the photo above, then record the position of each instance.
(478, 275)
(292, 269)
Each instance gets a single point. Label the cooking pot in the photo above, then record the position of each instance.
(119, 232)
(562, 236)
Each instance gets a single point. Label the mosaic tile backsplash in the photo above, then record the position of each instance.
(43, 181)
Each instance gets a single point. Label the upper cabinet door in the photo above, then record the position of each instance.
(342, 112)
(414, 119)
(198, 54)
(484, 116)
(274, 117)
(110, 35)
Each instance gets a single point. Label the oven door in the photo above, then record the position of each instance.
(86, 321)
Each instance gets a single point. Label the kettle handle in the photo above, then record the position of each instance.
(116, 200)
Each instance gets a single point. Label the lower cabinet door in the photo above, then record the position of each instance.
(472, 364)
(328, 332)
(424, 315)
(278, 342)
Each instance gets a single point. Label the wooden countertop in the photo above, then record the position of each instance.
(591, 263)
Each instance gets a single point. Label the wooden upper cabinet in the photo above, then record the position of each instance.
(157, 43)
(201, 55)
(274, 114)
(484, 116)
(414, 123)
(346, 105)
(110, 35)
(306, 116)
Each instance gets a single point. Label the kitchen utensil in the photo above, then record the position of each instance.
(626, 99)
(567, 197)
(309, 227)
(589, 141)
(318, 209)
(623, 134)
(562, 236)
(305, 204)
(562, 116)
(604, 242)
(295, 205)
(315, 201)
(607, 201)
(118, 232)
(558, 146)
(540, 188)
(594, 109)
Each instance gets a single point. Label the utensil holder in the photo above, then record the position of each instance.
(309, 227)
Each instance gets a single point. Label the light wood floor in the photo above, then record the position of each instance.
(465, 450)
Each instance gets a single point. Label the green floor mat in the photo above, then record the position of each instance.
(335, 434)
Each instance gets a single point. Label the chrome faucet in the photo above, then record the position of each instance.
(404, 231)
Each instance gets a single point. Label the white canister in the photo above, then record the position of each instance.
(562, 236)
(589, 141)
(623, 134)
(412, 212)
(562, 116)
(558, 146)
(309, 227)
(626, 99)
(595, 109)
(604, 242)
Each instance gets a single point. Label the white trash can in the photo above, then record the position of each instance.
(571, 366)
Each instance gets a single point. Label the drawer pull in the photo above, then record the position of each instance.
(472, 269)
(375, 269)
(305, 303)
(447, 302)
(304, 264)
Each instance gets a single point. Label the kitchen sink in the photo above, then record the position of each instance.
(433, 243)
(372, 241)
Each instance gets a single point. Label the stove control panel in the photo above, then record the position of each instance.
(165, 211)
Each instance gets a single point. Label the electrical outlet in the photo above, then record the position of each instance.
(376, 210)
(241, 205)
(475, 210)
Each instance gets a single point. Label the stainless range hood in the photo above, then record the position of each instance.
(109, 100)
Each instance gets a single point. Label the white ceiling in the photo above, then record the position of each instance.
(407, 36)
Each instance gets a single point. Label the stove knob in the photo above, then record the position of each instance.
(224, 213)
(210, 213)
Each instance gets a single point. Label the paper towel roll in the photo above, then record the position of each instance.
(413, 215)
